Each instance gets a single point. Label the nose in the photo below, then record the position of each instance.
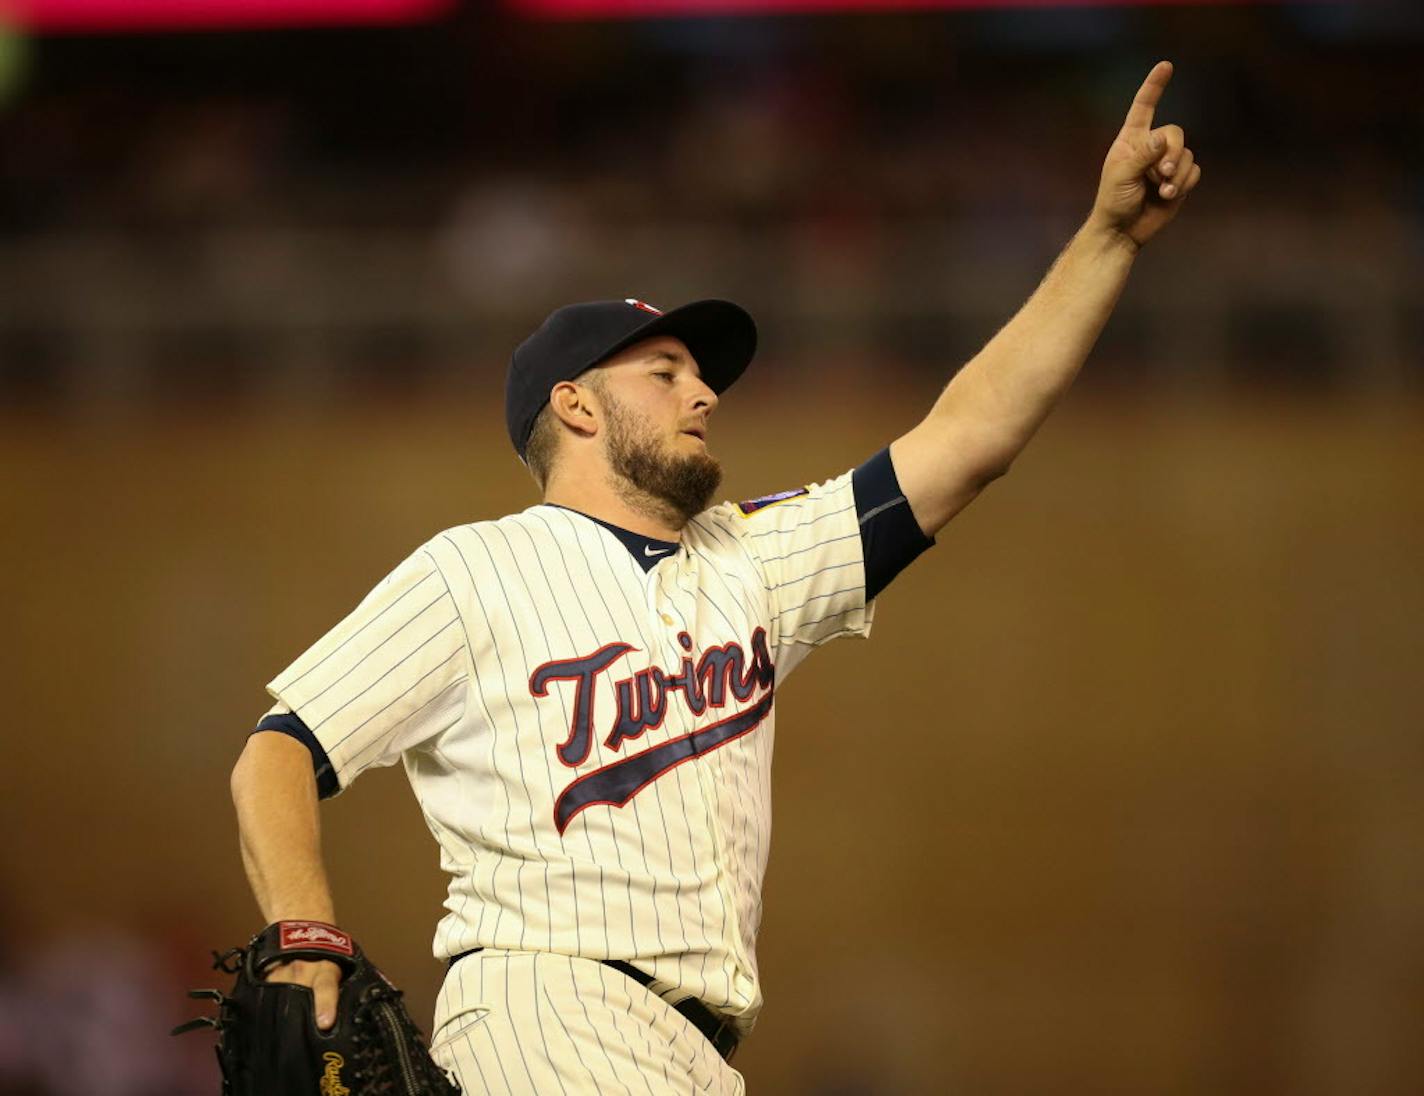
(703, 396)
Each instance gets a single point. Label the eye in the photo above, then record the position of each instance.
(664, 374)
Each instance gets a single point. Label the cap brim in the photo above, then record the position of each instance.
(720, 335)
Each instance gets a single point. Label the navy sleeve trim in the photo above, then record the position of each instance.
(289, 723)
(890, 537)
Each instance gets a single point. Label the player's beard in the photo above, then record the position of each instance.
(671, 487)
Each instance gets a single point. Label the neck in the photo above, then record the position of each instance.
(618, 503)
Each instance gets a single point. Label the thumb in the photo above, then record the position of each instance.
(1150, 148)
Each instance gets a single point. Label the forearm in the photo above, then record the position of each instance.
(280, 829)
(1001, 397)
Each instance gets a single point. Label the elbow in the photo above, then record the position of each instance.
(987, 458)
(988, 473)
(270, 761)
(254, 766)
(240, 779)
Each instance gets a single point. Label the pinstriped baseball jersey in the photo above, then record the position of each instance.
(586, 718)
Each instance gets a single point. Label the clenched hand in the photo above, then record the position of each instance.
(1148, 172)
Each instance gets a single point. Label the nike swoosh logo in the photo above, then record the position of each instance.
(648, 551)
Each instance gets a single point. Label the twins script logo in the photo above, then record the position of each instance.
(720, 673)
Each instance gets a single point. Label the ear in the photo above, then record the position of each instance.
(575, 407)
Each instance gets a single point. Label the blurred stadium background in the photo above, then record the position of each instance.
(1125, 794)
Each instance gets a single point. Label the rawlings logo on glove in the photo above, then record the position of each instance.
(331, 1077)
(313, 934)
(268, 1040)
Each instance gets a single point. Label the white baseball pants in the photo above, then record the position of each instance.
(537, 1023)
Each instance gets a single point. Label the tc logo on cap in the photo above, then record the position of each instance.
(644, 305)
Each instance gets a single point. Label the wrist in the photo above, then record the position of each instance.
(317, 911)
(1105, 240)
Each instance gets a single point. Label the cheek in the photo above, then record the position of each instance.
(631, 424)
(659, 414)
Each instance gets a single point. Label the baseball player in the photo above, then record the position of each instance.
(582, 693)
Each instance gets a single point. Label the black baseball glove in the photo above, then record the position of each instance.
(268, 1041)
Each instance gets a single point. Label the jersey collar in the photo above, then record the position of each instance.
(648, 551)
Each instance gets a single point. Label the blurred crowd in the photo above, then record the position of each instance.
(85, 1013)
(1177, 793)
(311, 212)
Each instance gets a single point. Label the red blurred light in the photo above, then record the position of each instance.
(87, 16)
(625, 9)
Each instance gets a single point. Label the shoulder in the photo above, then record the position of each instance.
(779, 507)
(756, 524)
(538, 518)
(540, 528)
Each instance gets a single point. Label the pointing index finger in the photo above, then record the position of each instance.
(1144, 103)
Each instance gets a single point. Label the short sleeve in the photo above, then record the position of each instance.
(890, 537)
(388, 678)
(807, 543)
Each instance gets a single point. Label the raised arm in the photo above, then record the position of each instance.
(993, 406)
(275, 794)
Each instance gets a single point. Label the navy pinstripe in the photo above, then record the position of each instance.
(663, 869)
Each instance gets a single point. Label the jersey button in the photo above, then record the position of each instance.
(666, 619)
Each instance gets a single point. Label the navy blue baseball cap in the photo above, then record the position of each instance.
(575, 338)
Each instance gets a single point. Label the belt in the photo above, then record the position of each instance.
(717, 1029)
